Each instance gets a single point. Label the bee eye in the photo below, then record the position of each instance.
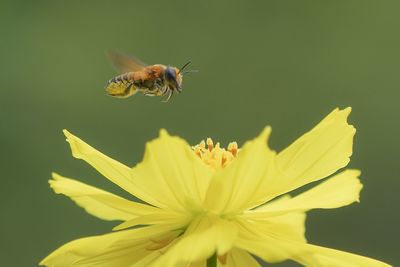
(170, 74)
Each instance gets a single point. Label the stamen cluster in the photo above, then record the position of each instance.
(215, 156)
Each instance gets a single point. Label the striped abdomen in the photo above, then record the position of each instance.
(122, 85)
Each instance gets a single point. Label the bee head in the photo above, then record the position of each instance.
(171, 78)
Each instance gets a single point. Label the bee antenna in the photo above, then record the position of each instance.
(184, 66)
(190, 71)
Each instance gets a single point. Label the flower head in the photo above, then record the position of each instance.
(206, 200)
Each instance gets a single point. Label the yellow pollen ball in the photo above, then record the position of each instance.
(215, 156)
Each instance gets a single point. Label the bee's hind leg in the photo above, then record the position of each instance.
(128, 89)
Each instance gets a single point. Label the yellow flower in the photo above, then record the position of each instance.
(205, 200)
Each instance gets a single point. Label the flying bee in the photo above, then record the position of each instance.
(151, 80)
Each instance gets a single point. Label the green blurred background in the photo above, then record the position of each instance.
(283, 63)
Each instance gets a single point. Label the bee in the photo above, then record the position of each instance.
(151, 80)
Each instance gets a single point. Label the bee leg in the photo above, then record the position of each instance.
(158, 83)
(171, 92)
(156, 86)
(149, 93)
(155, 91)
(164, 90)
(128, 88)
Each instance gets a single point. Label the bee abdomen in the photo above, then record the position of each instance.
(121, 86)
(126, 77)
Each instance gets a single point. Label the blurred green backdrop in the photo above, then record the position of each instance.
(286, 63)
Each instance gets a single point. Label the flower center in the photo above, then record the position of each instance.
(215, 156)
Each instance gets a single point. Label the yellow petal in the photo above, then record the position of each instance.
(116, 249)
(235, 187)
(326, 257)
(191, 264)
(264, 240)
(204, 237)
(239, 258)
(173, 174)
(198, 264)
(295, 221)
(234, 258)
(275, 243)
(78, 249)
(318, 153)
(340, 190)
(97, 202)
(113, 170)
(157, 217)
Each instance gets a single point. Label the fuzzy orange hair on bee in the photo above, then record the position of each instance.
(150, 80)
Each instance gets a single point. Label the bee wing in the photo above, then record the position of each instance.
(124, 63)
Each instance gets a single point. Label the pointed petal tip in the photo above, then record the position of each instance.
(163, 133)
(67, 134)
(123, 225)
(338, 111)
(74, 143)
(54, 182)
(267, 130)
(265, 133)
(346, 111)
(118, 227)
(54, 178)
(263, 137)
